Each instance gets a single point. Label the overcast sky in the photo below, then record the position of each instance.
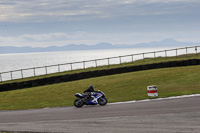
(62, 22)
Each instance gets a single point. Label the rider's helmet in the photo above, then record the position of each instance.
(91, 87)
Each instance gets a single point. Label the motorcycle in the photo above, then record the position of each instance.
(97, 97)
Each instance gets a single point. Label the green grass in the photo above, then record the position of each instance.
(138, 62)
(120, 87)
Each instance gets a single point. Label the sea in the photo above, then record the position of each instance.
(21, 61)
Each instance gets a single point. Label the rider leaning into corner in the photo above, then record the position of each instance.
(90, 97)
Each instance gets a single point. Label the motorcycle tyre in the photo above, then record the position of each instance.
(105, 101)
(80, 104)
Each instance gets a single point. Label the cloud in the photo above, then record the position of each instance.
(47, 39)
(44, 37)
(171, 1)
(54, 36)
(62, 22)
(62, 10)
(81, 37)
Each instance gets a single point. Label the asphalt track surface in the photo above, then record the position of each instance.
(176, 115)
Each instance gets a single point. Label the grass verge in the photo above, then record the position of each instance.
(120, 87)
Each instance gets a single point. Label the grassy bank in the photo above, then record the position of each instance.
(121, 87)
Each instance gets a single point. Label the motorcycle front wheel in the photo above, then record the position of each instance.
(102, 101)
(78, 103)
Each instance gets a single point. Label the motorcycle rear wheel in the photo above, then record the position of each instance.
(78, 103)
(102, 101)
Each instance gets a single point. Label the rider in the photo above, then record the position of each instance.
(88, 92)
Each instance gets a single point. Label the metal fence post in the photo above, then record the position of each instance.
(143, 55)
(22, 74)
(176, 53)
(58, 67)
(83, 64)
(34, 71)
(11, 75)
(0, 77)
(120, 60)
(96, 63)
(165, 53)
(196, 49)
(46, 69)
(71, 66)
(186, 51)
(132, 58)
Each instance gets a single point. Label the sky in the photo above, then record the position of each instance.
(42, 23)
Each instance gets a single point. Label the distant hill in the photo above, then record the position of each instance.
(71, 47)
(166, 43)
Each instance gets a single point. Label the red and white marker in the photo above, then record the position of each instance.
(152, 91)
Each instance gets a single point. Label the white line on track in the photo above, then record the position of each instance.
(146, 100)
